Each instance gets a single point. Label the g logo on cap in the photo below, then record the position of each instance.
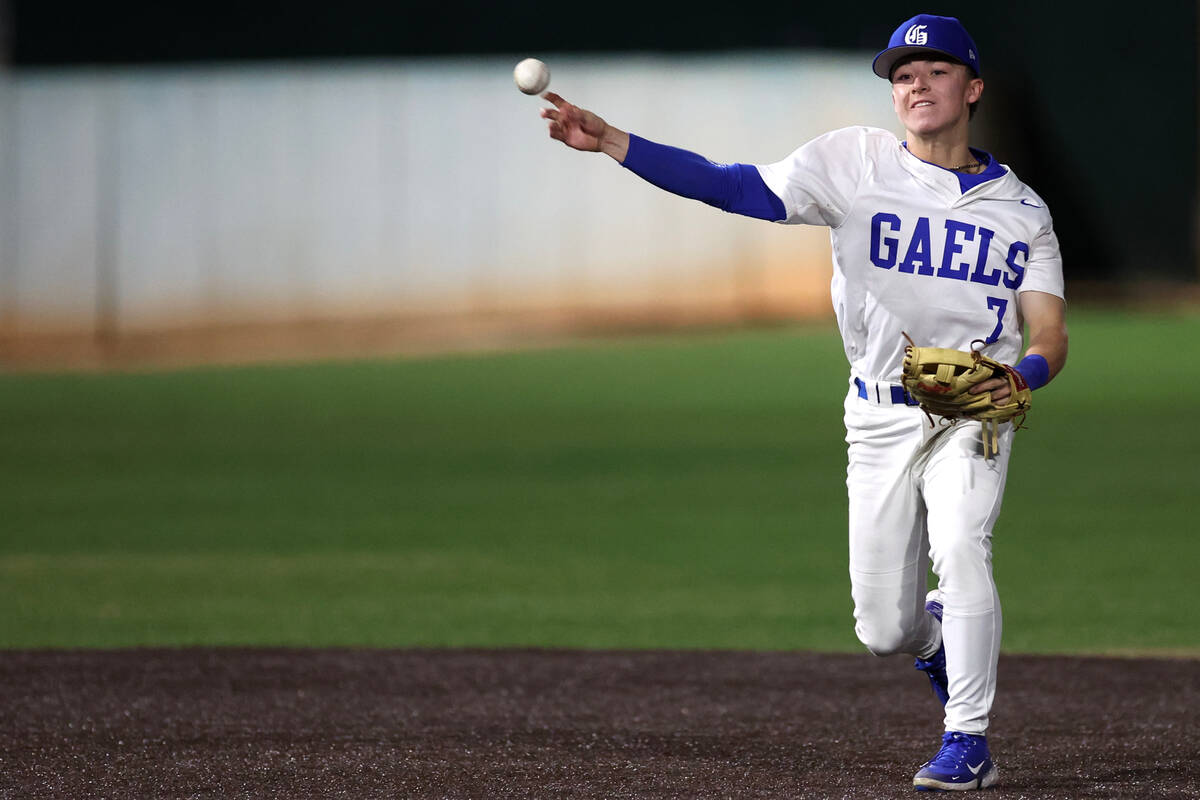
(916, 35)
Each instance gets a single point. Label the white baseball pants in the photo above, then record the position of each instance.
(921, 494)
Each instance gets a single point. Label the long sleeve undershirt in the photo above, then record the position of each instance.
(736, 188)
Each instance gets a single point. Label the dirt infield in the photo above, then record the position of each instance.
(497, 724)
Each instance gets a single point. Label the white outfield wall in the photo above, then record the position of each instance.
(143, 199)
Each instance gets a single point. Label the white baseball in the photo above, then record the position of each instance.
(531, 76)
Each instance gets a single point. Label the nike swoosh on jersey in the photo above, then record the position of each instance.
(1025, 202)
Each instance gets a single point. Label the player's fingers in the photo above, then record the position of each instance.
(550, 113)
(565, 112)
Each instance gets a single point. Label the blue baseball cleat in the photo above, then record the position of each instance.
(962, 764)
(935, 667)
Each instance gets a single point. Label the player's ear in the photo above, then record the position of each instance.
(974, 90)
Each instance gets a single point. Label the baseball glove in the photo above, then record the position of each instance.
(940, 380)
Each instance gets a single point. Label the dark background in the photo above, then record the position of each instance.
(1094, 104)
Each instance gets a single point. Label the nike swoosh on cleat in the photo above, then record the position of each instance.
(1025, 202)
(975, 770)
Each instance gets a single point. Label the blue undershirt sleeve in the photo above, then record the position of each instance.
(736, 188)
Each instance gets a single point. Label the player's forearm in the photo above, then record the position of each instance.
(1053, 348)
(1045, 356)
(1045, 316)
(736, 188)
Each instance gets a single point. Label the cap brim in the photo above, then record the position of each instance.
(886, 60)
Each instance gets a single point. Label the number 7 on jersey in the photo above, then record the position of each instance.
(1001, 305)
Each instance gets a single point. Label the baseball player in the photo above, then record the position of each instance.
(940, 241)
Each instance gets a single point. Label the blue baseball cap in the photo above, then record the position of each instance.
(927, 33)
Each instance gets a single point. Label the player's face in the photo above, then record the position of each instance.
(933, 96)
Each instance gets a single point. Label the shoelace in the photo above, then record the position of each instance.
(955, 747)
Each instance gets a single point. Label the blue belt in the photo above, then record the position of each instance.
(884, 393)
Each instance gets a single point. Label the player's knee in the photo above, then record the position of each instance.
(959, 550)
(881, 640)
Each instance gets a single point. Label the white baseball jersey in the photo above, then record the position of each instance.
(912, 252)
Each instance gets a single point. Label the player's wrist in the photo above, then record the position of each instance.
(1035, 370)
(613, 142)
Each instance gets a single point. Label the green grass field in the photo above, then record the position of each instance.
(667, 491)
